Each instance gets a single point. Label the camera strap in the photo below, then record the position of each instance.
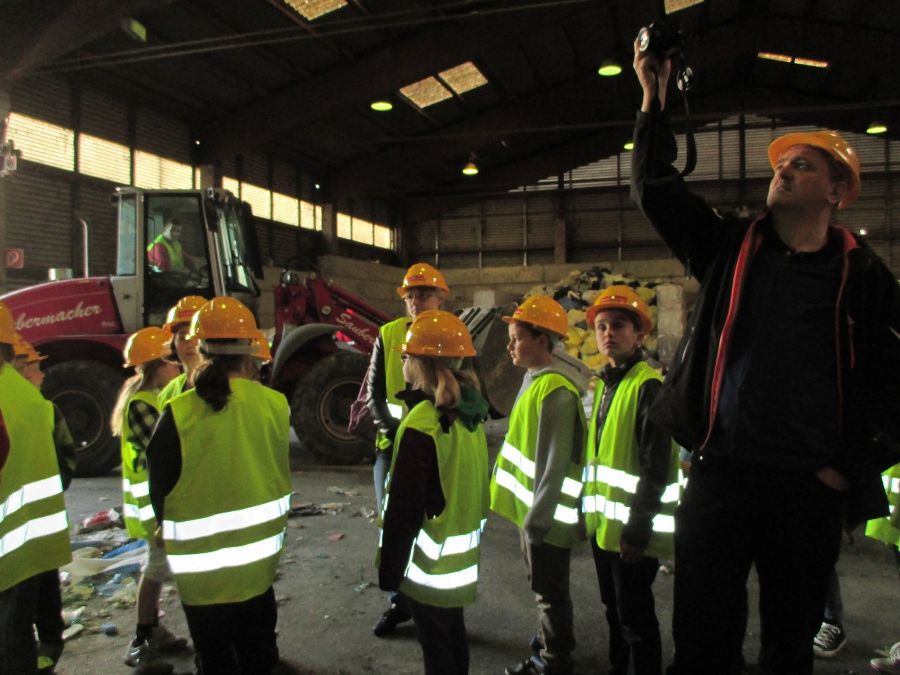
(684, 80)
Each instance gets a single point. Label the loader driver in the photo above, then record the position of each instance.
(166, 254)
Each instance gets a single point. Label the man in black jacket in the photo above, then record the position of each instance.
(786, 387)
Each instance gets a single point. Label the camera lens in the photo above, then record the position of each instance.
(644, 39)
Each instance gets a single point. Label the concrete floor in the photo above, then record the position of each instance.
(330, 600)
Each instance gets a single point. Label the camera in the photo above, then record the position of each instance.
(662, 38)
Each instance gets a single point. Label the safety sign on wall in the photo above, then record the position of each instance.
(14, 257)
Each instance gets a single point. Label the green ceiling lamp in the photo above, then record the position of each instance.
(876, 128)
(609, 68)
(628, 145)
(381, 105)
(470, 168)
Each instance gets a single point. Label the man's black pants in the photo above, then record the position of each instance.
(626, 590)
(732, 517)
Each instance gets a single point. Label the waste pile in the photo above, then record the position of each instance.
(576, 292)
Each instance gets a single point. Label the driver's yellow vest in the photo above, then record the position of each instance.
(887, 529)
(173, 248)
(34, 530)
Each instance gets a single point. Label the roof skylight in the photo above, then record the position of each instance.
(313, 9)
(434, 89)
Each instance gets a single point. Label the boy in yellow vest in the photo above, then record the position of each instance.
(536, 482)
(630, 483)
(34, 530)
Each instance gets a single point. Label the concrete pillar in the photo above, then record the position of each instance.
(329, 229)
(669, 320)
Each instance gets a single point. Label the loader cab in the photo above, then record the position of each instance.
(173, 243)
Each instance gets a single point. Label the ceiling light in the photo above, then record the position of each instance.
(313, 9)
(863, 231)
(629, 145)
(381, 105)
(609, 68)
(471, 168)
(796, 60)
(876, 127)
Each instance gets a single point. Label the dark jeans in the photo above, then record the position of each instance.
(548, 574)
(626, 591)
(442, 635)
(235, 638)
(787, 524)
(18, 651)
(48, 613)
(834, 604)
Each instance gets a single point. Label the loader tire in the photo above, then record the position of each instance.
(86, 393)
(320, 408)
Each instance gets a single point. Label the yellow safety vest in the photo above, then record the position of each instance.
(443, 568)
(393, 334)
(173, 248)
(34, 530)
(613, 470)
(136, 508)
(887, 529)
(174, 388)
(225, 519)
(512, 485)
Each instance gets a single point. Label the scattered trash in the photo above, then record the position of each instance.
(306, 509)
(667, 567)
(365, 512)
(335, 490)
(281, 599)
(335, 536)
(295, 500)
(363, 586)
(109, 629)
(77, 593)
(102, 520)
(124, 597)
(334, 507)
(288, 560)
(71, 616)
(72, 631)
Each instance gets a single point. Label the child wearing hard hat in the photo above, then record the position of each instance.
(436, 499)
(537, 478)
(424, 288)
(34, 532)
(184, 350)
(630, 482)
(224, 545)
(48, 619)
(133, 419)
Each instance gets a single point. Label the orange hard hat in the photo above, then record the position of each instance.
(543, 312)
(260, 346)
(624, 298)
(423, 274)
(435, 332)
(832, 143)
(7, 325)
(27, 350)
(147, 344)
(183, 311)
(223, 318)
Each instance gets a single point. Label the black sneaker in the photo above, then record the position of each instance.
(829, 640)
(390, 620)
(530, 666)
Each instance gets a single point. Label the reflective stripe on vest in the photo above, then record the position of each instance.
(443, 566)
(611, 476)
(512, 483)
(34, 530)
(395, 410)
(28, 494)
(234, 556)
(226, 522)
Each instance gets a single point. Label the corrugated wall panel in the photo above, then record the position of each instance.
(162, 136)
(45, 98)
(283, 178)
(255, 169)
(104, 116)
(284, 244)
(95, 207)
(39, 220)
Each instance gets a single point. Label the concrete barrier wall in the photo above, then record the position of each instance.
(487, 286)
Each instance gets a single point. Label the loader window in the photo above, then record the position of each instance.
(233, 251)
(126, 252)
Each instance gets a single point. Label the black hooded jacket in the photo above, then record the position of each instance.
(718, 251)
